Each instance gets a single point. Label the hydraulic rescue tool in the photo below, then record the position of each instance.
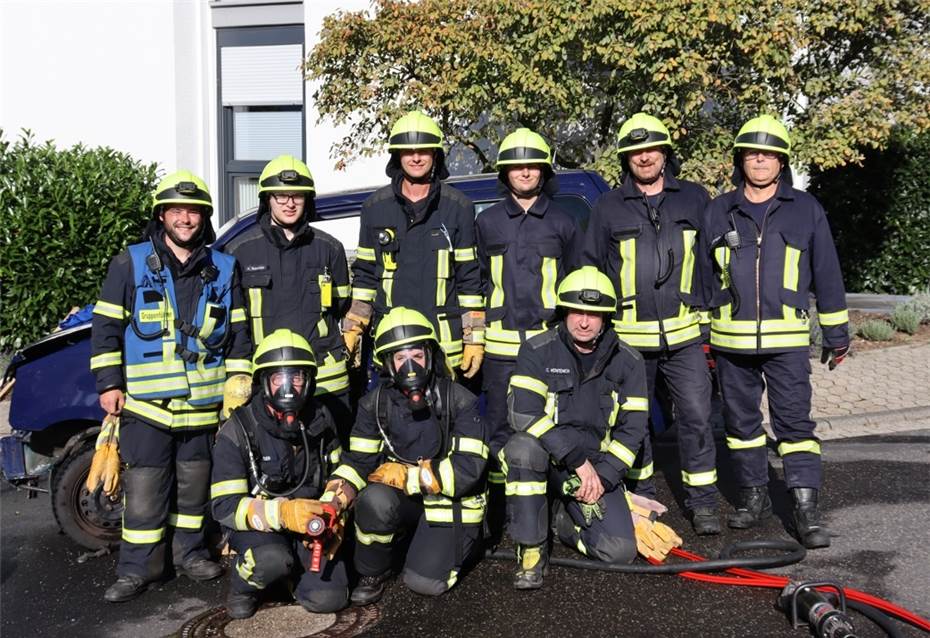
(804, 604)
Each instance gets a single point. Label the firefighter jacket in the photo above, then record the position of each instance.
(252, 436)
(421, 256)
(652, 254)
(301, 285)
(523, 256)
(600, 417)
(451, 437)
(763, 276)
(169, 333)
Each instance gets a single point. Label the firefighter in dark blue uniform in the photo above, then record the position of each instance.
(168, 328)
(578, 405)
(416, 461)
(526, 245)
(269, 466)
(772, 247)
(646, 237)
(416, 248)
(295, 276)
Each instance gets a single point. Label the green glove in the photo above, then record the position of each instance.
(590, 511)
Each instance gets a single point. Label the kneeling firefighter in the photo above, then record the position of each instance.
(578, 404)
(270, 461)
(417, 459)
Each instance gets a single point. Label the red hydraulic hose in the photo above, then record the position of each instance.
(751, 578)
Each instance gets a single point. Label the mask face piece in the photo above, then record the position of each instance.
(285, 391)
(410, 371)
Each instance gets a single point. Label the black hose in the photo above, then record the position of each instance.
(880, 618)
(792, 553)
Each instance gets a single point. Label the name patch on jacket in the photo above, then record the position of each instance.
(559, 370)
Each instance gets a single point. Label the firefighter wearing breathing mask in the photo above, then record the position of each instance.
(270, 462)
(417, 460)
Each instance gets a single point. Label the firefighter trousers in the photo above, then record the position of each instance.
(262, 558)
(786, 377)
(532, 479)
(166, 483)
(386, 520)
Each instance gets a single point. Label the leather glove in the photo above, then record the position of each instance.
(353, 327)
(296, 513)
(471, 359)
(339, 493)
(429, 484)
(834, 356)
(236, 391)
(105, 466)
(404, 477)
(337, 532)
(654, 540)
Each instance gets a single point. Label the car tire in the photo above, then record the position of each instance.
(91, 520)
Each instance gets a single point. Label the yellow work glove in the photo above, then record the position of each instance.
(334, 541)
(471, 360)
(296, 513)
(353, 327)
(653, 539)
(104, 467)
(236, 391)
(429, 484)
(404, 477)
(339, 493)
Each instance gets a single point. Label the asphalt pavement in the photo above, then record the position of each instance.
(876, 503)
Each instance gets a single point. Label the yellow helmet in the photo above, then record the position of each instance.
(182, 187)
(415, 130)
(764, 133)
(523, 146)
(642, 131)
(402, 326)
(587, 289)
(283, 348)
(286, 173)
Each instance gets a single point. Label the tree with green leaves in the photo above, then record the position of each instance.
(842, 73)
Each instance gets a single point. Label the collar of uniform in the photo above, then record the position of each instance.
(783, 192)
(275, 234)
(539, 207)
(630, 190)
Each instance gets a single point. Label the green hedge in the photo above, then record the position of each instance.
(63, 214)
(880, 215)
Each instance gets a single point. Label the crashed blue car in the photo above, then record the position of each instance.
(55, 415)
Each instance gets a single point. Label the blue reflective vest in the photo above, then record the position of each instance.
(168, 356)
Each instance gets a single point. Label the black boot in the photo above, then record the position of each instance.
(369, 589)
(754, 507)
(201, 569)
(241, 604)
(125, 588)
(807, 519)
(705, 521)
(532, 566)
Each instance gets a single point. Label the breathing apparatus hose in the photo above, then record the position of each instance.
(874, 608)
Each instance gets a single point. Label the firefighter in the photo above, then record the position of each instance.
(416, 248)
(168, 328)
(295, 276)
(645, 235)
(578, 404)
(526, 244)
(270, 462)
(772, 248)
(416, 461)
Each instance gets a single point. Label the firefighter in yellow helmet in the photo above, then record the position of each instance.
(295, 276)
(416, 461)
(526, 244)
(267, 465)
(645, 235)
(168, 328)
(772, 247)
(416, 248)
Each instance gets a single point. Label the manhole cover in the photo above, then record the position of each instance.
(282, 620)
